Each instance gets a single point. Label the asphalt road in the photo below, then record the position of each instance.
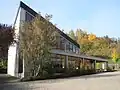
(103, 81)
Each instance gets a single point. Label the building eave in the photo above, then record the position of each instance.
(78, 55)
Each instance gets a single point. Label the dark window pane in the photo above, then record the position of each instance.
(20, 66)
(28, 17)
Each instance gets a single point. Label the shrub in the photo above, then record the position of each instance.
(3, 64)
(109, 69)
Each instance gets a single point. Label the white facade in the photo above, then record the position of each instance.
(13, 49)
(12, 60)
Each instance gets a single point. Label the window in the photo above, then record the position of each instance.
(58, 62)
(62, 43)
(77, 50)
(28, 17)
(71, 62)
(67, 46)
(71, 47)
(20, 64)
(57, 46)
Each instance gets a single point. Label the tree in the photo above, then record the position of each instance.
(118, 51)
(82, 40)
(114, 55)
(72, 35)
(91, 37)
(36, 41)
(79, 35)
(6, 39)
(101, 47)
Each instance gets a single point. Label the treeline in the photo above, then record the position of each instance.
(90, 44)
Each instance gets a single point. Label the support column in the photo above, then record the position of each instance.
(83, 65)
(66, 62)
(106, 66)
(92, 64)
(95, 65)
(79, 64)
(65, 48)
(103, 66)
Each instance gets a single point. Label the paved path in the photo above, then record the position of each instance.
(104, 81)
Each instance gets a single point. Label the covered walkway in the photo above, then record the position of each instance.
(77, 61)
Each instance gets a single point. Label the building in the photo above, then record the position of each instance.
(65, 55)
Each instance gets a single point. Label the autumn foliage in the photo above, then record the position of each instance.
(114, 55)
(104, 47)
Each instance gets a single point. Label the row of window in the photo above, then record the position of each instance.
(69, 46)
(73, 62)
(72, 48)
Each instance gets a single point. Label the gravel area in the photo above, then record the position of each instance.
(103, 81)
